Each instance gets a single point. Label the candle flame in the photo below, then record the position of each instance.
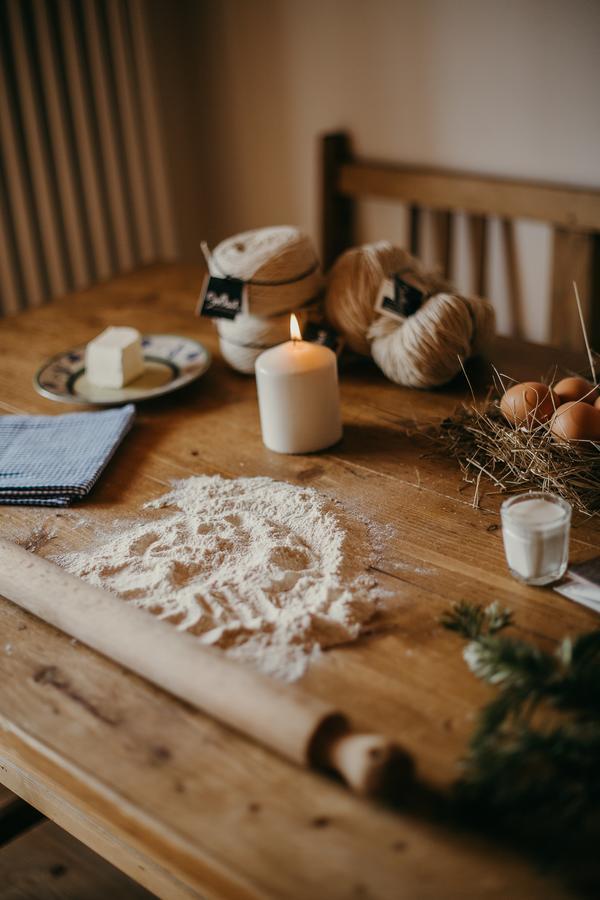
(295, 333)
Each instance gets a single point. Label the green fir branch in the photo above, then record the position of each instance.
(472, 621)
(532, 770)
(500, 660)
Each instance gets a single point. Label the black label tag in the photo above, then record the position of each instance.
(322, 334)
(221, 298)
(407, 299)
(398, 298)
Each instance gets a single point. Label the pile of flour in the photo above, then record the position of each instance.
(260, 568)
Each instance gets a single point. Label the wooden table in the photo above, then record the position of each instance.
(182, 804)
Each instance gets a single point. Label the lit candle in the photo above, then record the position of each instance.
(298, 396)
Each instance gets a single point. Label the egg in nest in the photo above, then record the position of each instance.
(569, 389)
(530, 403)
(576, 421)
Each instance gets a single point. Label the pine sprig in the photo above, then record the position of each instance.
(510, 662)
(472, 621)
(532, 770)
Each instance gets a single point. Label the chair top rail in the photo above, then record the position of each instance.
(563, 205)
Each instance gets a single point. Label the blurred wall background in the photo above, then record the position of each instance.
(502, 87)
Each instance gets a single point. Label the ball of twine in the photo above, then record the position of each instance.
(282, 274)
(422, 350)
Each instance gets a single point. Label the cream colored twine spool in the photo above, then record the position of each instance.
(423, 350)
(282, 275)
(279, 263)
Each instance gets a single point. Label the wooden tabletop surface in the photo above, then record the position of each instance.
(181, 803)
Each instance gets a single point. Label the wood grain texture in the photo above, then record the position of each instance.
(43, 194)
(337, 212)
(513, 280)
(594, 289)
(478, 228)
(216, 813)
(16, 816)
(45, 863)
(108, 844)
(6, 797)
(18, 199)
(414, 229)
(65, 162)
(443, 235)
(280, 716)
(571, 261)
(117, 185)
(85, 147)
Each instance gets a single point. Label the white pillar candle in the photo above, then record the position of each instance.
(298, 396)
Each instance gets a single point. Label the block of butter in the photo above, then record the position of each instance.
(114, 358)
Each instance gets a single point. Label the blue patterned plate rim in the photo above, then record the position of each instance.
(194, 362)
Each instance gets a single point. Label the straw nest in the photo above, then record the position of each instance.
(515, 459)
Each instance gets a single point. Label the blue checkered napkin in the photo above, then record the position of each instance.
(53, 460)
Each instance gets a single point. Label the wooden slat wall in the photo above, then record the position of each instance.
(83, 187)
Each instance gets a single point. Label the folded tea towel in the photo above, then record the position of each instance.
(53, 460)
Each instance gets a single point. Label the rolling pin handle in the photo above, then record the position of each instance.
(368, 762)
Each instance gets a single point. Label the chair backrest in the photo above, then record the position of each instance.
(572, 212)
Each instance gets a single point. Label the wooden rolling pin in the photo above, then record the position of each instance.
(282, 717)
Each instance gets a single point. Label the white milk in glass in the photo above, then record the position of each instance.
(535, 528)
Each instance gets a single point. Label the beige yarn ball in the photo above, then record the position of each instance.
(423, 350)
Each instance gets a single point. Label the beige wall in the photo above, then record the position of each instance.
(509, 88)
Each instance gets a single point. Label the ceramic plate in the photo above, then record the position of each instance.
(171, 361)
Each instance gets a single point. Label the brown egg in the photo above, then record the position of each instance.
(529, 403)
(576, 422)
(575, 389)
(597, 403)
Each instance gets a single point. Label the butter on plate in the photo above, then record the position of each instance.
(115, 357)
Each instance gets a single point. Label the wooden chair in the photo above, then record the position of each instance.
(574, 214)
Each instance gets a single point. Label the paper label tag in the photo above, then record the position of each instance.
(316, 333)
(397, 298)
(222, 298)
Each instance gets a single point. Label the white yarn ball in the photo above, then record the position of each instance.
(258, 330)
(244, 338)
(422, 350)
(239, 357)
(282, 275)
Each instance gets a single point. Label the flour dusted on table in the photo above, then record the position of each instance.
(268, 571)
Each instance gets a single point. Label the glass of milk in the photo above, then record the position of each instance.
(535, 528)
